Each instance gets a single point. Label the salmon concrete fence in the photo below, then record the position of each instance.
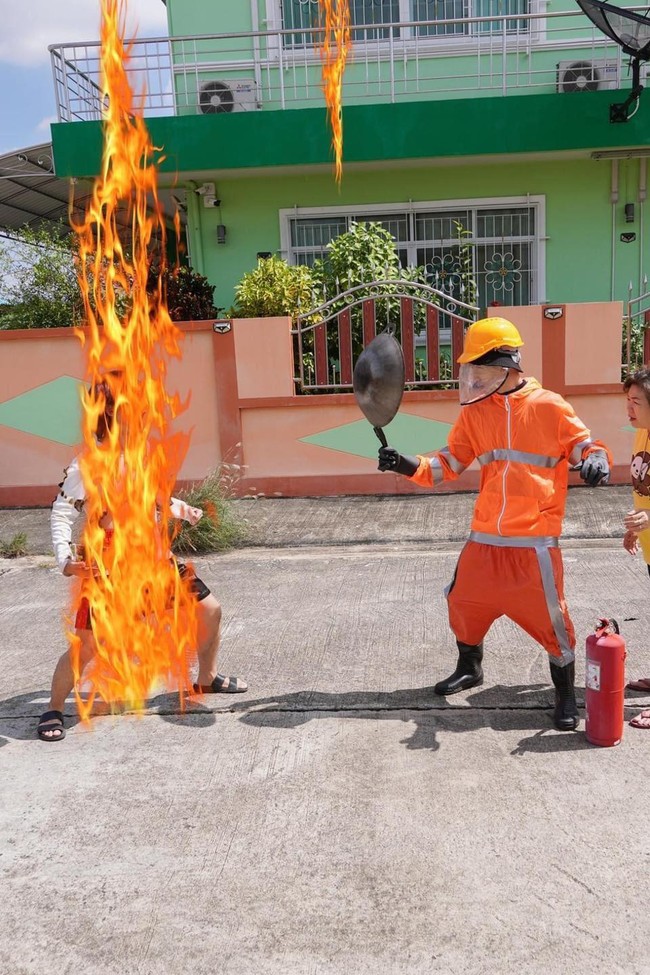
(243, 408)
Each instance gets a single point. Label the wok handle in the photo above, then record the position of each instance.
(380, 436)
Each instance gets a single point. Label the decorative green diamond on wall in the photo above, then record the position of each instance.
(51, 411)
(407, 433)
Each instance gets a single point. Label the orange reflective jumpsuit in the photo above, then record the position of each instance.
(511, 566)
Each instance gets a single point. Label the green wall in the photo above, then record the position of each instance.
(578, 215)
(194, 17)
(243, 151)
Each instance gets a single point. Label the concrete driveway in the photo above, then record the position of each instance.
(338, 818)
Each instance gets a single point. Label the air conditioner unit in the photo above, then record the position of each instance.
(227, 96)
(598, 75)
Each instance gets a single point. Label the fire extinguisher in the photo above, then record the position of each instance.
(605, 684)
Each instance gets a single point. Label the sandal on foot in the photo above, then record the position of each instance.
(642, 684)
(222, 685)
(52, 722)
(642, 720)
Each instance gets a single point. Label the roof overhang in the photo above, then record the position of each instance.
(32, 195)
(30, 192)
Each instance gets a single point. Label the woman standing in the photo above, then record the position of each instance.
(637, 522)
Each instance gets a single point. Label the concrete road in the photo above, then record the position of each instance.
(338, 818)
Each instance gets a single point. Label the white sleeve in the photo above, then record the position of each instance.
(178, 508)
(65, 511)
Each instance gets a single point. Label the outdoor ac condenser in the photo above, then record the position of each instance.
(583, 75)
(219, 96)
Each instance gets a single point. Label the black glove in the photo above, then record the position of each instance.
(390, 460)
(595, 468)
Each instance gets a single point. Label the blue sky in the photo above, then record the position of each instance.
(28, 26)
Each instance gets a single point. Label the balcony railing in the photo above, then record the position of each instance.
(280, 69)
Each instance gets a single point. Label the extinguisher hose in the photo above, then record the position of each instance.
(607, 624)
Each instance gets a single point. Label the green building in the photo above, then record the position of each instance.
(494, 114)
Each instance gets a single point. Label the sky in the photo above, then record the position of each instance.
(27, 105)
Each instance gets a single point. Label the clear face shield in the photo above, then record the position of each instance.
(478, 382)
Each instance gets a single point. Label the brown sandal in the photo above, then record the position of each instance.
(642, 720)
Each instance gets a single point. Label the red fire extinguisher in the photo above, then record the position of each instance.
(605, 684)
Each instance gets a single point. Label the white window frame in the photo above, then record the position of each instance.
(434, 44)
(368, 210)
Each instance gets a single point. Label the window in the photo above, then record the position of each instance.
(306, 13)
(375, 16)
(504, 238)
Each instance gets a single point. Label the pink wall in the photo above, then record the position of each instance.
(242, 406)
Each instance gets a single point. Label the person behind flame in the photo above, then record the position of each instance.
(637, 522)
(65, 510)
(524, 437)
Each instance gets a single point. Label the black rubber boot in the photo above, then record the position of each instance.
(565, 716)
(468, 673)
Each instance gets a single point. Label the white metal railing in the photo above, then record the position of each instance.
(273, 69)
(636, 330)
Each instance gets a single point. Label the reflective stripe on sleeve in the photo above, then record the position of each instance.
(436, 470)
(456, 466)
(519, 457)
(576, 453)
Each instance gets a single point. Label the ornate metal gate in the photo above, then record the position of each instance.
(428, 323)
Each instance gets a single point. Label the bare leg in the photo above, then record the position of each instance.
(63, 677)
(209, 618)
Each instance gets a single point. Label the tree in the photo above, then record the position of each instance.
(39, 285)
(38, 279)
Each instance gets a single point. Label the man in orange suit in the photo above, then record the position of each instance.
(525, 438)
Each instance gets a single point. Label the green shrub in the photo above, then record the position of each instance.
(637, 329)
(15, 547)
(220, 528)
(366, 252)
(189, 295)
(274, 288)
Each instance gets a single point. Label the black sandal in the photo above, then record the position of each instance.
(51, 721)
(217, 686)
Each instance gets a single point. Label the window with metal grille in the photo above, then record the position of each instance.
(499, 244)
(377, 19)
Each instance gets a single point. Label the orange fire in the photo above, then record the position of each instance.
(334, 54)
(144, 618)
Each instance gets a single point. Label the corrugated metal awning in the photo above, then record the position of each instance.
(31, 194)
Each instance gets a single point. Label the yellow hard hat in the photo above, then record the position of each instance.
(489, 334)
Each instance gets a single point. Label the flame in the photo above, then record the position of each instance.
(143, 615)
(335, 48)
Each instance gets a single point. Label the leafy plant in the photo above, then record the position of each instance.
(14, 547)
(364, 254)
(637, 328)
(220, 528)
(274, 288)
(189, 295)
(468, 286)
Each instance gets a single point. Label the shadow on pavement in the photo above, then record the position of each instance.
(19, 714)
(433, 717)
(500, 708)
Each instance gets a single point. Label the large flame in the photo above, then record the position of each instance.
(143, 616)
(335, 47)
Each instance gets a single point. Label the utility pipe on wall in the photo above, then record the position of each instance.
(194, 239)
(614, 200)
(643, 192)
